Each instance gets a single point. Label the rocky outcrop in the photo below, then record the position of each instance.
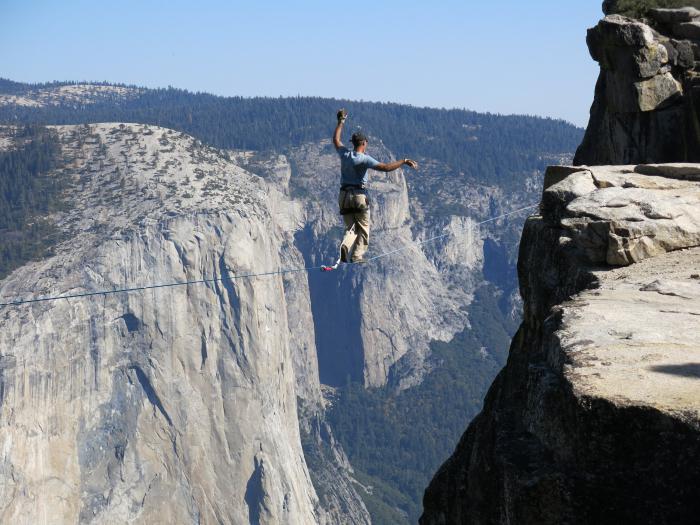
(617, 215)
(647, 98)
(596, 417)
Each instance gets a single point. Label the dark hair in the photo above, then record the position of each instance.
(358, 138)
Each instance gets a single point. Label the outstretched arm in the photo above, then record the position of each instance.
(342, 115)
(396, 165)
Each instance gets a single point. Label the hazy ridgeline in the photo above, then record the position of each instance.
(485, 146)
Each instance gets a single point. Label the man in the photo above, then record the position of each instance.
(353, 200)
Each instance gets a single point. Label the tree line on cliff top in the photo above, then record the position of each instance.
(639, 8)
(28, 192)
(485, 146)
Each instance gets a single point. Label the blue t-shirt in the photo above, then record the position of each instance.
(354, 166)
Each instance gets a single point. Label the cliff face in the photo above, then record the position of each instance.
(647, 98)
(596, 417)
(174, 405)
(205, 400)
(359, 332)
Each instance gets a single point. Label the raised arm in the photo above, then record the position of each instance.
(396, 165)
(342, 115)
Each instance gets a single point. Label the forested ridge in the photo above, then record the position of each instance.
(27, 193)
(484, 146)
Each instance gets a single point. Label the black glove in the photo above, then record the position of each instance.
(342, 115)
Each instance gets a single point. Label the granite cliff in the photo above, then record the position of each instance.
(174, 405)
(647, 99)
(205, 402)
(596, 416)
(358, 331)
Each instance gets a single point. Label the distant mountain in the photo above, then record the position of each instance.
(484, 146)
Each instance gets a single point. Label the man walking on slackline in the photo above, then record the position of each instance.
(353, 200)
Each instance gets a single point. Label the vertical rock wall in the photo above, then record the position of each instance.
(647, 98)
(171, 405)
(372, 322)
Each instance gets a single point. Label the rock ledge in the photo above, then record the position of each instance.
(596, 416)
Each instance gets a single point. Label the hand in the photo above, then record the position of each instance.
(411, 163)
(342, 115)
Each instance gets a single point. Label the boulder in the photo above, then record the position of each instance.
(627, 47)
(674, 16)
(687, 30)
(558, 195)
(626, 96)
(623, 31)
(656, 92)
(554, 174)
(624, 177)
(676, 170)
(680, 53)
(626, 219)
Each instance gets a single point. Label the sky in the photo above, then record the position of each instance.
(502, 57)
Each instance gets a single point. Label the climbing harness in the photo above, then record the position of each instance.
(353, 199)
(231, 277)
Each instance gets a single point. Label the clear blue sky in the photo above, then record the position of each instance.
(503, 57)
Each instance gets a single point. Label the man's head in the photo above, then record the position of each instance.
(359, 141)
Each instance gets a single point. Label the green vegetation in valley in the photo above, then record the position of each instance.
(397, 440)
(28, 192)
(639, 8)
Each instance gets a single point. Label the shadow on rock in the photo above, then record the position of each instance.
(685, 370)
